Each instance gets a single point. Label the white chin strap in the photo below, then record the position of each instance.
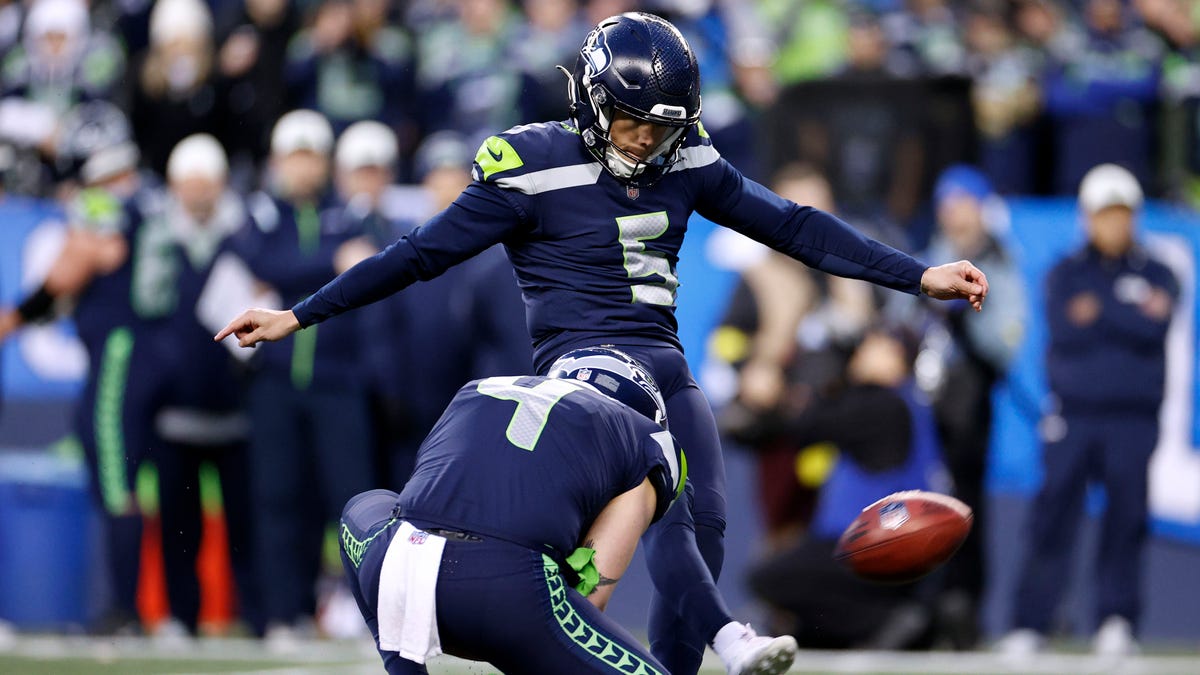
(620, 165)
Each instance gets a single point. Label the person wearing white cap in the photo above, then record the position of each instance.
(59, 63)
(310, 441)
(201, 422)
(173, 93)
(365, 163)
(120, 270)
(1108, 307)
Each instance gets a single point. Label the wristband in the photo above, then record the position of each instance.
(36, 306)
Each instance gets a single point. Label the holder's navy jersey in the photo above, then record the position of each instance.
(532, 460)
(595, 257)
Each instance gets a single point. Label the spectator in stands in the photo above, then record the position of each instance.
(253, 37)
(546, 39)
(1180, 124)
(886, 442)
(810, 37)
(310, 440)
(202, 421)
(1101, 91)
(351, 65)
(864, 131)
(1005, 97)
(1108, 306)
(974, 350)
(930, 33)
(59, 63)
(173, 93)
(469, 78)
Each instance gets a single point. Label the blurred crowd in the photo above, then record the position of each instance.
(210, 154)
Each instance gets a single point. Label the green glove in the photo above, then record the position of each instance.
(582, 562)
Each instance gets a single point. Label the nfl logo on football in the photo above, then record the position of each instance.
(893, 515)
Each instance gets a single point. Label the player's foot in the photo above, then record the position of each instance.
(748, 653)
(1022, 643)
(1115, 638)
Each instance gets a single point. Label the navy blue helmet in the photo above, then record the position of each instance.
(639, 64)
(615, 374)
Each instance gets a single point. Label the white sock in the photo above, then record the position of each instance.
(728, 636)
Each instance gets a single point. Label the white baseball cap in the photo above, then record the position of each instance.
(366, 143)
(198, 155)
(174, 19)
(69, 17)
(302, 130)
(1109, 185)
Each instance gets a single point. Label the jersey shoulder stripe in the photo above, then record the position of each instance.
(697, 151)
(534, 158)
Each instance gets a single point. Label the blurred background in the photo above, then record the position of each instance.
(144, 470)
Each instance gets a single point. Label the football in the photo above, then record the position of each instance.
(904, 536)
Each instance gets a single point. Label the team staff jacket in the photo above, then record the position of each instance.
(1117, 362)
(534, 460)
(595, 257)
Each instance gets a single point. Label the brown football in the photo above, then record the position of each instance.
(904, 536)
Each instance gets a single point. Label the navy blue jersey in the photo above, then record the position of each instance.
(291, 248)
(532, 460)
(594, 257)
(141, 292)
(1116, 362)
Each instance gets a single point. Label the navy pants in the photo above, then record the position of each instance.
(310, 452)
(1113, 450)
(115, 423)
(671, 543)
(496, 602)
(180, 508)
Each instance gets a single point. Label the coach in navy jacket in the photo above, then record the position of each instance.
(1108, 306)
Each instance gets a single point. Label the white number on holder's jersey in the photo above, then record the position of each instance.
(641, 263)
(533, 405)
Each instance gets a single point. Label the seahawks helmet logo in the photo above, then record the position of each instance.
(596, 53)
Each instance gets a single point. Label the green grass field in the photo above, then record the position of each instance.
(55, 655)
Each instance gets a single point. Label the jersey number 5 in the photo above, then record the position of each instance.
(533, 405)
(641, 263)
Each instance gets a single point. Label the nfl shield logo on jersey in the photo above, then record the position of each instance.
(893, 515)
(632, 192)
(417, 538)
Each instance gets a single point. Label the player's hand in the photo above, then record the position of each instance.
(956, 280)
(260, 325)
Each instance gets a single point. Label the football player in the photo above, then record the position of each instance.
(118, 266)
(529, 493)
(593, 212)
